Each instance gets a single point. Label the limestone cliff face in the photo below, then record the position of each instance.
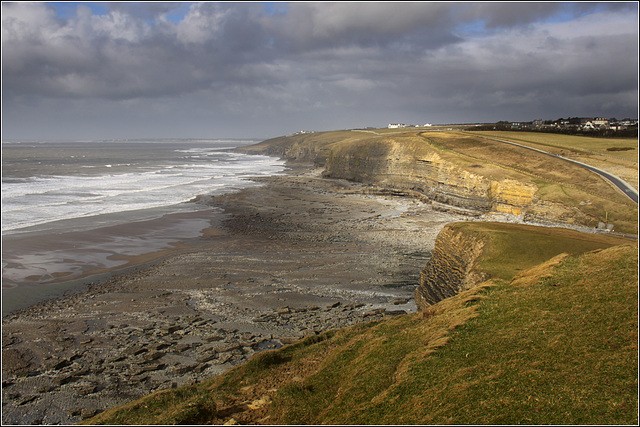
(395, 165)
(297, 148)
(411, 166)
(451, 268)
(510, 196)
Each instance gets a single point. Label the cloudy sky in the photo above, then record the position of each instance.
(257, 70)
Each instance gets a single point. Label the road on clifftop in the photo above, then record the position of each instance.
(627, 189)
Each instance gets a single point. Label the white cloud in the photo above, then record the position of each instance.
(201, 24)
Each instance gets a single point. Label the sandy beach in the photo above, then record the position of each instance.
(299, 255)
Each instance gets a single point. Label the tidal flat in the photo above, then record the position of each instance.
(297, 256)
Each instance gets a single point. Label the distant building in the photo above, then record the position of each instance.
(588, 125)
(428, 125)
(396, 125)
(600, 121)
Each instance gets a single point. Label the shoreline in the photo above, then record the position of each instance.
(94, 255)
(294, 257)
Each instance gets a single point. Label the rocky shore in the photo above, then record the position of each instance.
(300, 255)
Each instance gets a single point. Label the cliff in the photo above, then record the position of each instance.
(462, 171)
(466, 254)
(452, 267)
(403, 163)
(406, 164)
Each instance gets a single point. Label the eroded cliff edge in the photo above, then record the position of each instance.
(451, 268)
(468, 254)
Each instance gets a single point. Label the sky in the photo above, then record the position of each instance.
(117, 70)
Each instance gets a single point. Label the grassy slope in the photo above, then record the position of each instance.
(556, 345)
(559, 144)
(515, 247)
(618, 156)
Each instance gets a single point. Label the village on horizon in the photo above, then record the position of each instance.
(575, 123)
(608, 126)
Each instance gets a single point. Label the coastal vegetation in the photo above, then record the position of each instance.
(624, 148)
(555, 343)
(557, 181)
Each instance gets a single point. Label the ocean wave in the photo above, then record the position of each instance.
(39, 200)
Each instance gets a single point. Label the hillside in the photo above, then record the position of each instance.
(467, 253)
(480, 175)
(557, 344)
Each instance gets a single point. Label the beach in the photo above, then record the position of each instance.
(296, 256)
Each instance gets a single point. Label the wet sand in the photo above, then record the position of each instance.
(34, 263)
(292, 258)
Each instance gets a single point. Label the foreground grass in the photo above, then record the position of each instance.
(555, 345)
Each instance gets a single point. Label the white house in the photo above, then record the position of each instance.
(588, 125)
(396, 125)
(600, 121)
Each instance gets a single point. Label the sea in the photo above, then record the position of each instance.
(72, 207)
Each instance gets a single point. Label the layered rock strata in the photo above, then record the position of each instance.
(391, 164)
(451, 268)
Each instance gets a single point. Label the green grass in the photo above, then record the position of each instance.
(555, 345)
(512, 248)
(186, 405)
(554, 349)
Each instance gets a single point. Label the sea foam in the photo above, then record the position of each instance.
(121, 187)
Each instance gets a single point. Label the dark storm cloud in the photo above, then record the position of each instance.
(322, 25)
(325, 65)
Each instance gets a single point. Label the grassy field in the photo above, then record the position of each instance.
(618, 156)
(555, 345)
(625, 148)
(513, 248)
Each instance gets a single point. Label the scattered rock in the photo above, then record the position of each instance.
(89, 412)
(18, 362)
